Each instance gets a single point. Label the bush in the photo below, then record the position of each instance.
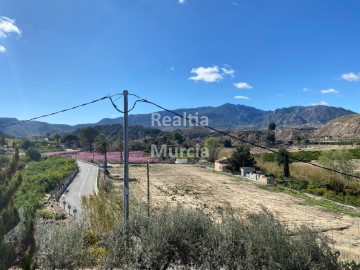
(61, 247)
(188, 238)
(33, 154)
(39, 178)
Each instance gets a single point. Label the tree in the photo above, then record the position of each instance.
(70, 139)
(271, 127)
(102, 146)
(270, 137)
(87, 137)
(33, 154)
(57, 139)
(283, 159)
(26, 144)
(339, 160)
(178, 138)
(227, 143)
(117, 146)
(241, 157)
(212, 144)
(2, 140)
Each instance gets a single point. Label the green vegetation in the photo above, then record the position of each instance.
(320, 182)
(308, 155)
(33, 154)
(39, 144)
(39, 178)
(87, 138)
(283, 159)
(185, 238)
(9, 182)
(326, 204)
(295, 156)
(241, 157)
(339, 160)
(212, 144)
(22, 190)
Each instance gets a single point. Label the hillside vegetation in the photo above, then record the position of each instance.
(23, 185)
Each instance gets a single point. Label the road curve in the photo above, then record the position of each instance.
(84, 184)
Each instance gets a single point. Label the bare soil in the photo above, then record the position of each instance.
(216, 193)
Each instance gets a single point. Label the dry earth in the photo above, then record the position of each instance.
(215, 192)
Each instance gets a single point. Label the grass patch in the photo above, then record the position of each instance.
(326, 204)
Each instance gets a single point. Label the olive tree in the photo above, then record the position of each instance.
(212, 144)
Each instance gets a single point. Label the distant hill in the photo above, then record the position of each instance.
(32, 128)
(227, 116)
(342, 128)
(230, 116)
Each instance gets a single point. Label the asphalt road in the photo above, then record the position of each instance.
(84, 184)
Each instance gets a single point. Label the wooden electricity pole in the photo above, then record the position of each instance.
(126, 157)
(148, 188)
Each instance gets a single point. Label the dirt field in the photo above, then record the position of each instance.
(215, 192)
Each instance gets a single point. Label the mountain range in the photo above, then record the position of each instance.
(227, 116)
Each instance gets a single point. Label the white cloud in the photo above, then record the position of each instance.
(320, 103)
(2, 49)
(212, 74)
(242, 85)
(329, 91)
(241, 97)
(8, 26)
(306, 89)
(351, 77)
(181, 1)
(206, 74)
(228, 70)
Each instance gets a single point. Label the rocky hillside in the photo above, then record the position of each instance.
(342, 128)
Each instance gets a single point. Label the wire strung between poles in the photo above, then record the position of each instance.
(61, 111)
(242, 140)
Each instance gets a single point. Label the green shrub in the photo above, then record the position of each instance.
(187, 238)
(61, 247)
(39, 178)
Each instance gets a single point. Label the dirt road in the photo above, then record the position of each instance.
(215, 192)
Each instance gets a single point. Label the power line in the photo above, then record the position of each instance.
(117, 108)
(242, 140)
(58, 112)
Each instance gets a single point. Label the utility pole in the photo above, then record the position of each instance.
(126, 157)
(148, 188)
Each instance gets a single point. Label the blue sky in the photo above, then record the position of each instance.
(267, 54)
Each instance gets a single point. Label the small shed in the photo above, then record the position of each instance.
(246, 170)
(181, 161)
(259, 177)
(220, 164)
